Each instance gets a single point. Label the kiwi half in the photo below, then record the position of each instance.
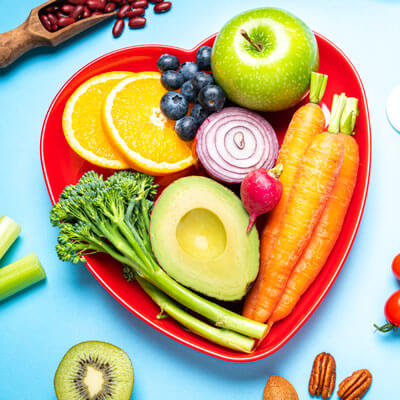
(94, 371)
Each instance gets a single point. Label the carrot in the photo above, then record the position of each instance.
(307, 122)
(329, 226)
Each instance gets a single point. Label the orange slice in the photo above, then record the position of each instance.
(82, 121)
(133, 120)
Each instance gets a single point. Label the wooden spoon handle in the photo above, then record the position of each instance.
(16, 42)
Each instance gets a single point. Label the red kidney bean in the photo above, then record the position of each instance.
(52, 18)
(86, 12)
(77, 13)
(67, 8)
(44, 19)
(162, 7)
(137, 22)
(77, 2)
(61, 15)
(136, 12)
(110, 7)
(94, 13)
(51, 9)
(123, 10)
(96, 5)
(118, 27)
(65, 21)
(140, 4)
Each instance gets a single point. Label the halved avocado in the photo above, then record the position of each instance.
(198, 235)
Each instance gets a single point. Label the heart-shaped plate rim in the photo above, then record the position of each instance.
(293, 322)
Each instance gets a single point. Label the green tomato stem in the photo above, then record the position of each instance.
(338, 104)
(20, 275)
(9, 231)
(349, 116)
(222, 337)
(386, 328)
(317, 87)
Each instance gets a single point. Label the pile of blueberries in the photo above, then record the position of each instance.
(197, 87)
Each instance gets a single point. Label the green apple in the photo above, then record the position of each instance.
(263, 59)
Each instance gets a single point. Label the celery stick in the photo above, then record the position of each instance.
(20, 275)
(9, 231)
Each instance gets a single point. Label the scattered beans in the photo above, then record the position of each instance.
(162, 7)
(136, 12)
(140, 4)
(62, 13)
(118, 28)
(137, 22)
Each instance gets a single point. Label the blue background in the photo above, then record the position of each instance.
(38, 326)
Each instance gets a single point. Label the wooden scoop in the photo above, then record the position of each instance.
(33, 34)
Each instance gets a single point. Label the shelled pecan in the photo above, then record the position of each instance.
(323, 376)
(355, 386)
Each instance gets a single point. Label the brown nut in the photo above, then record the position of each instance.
(278, 388)
(355, 386)
(323, 376)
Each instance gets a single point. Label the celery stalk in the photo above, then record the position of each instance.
(20, 275)
(9, 231)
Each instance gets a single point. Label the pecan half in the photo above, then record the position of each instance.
(323, 376)
(355, 386)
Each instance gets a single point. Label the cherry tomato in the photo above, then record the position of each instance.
(392, 309)
(396, 266)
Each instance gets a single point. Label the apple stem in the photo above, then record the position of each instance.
(317, 87)
(258, 46)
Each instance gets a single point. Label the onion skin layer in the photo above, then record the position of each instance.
(235, 141)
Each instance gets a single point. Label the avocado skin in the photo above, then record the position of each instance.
(225, 277)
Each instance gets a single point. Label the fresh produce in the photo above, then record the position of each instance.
(9, 231)
(113, 217)
(323, 376)
(222, 337)
(93, 371)
(395, 266)
(278, 388)
(19, 275)
(306, 123)
(188, 69)
(263, 58)
(174, 105)
(211, 97)
(355, 386)
(199, 114)
(198, 235)
(167, 62)
(235, 141)
(62, 13)
(202, 79)
(321, 244)
(260, 192)
(82, 122)
(203, 58)
(186, 128)
(172, 80)
(137, 127)
(315, 178)
(392, 314)
(189, 92)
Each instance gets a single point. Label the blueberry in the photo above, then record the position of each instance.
(212, 98)
(186, 128)
(202, 79)
(172, 80)
(174, 105)
(189, 92)
(188, 70)
(203, 58)
(167, 62)
(199, 114)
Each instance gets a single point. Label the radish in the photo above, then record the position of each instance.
(261, 191)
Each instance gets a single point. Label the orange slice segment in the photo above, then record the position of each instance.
(82, 121)
(133, 120)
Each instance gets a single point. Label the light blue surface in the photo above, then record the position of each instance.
(38, 326)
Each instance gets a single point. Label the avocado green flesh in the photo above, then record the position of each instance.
(198, 235)
(94, 371)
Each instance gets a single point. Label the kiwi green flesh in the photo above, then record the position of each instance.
(94, 371)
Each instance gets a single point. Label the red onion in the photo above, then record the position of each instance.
(235, 141)
(260, 192)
